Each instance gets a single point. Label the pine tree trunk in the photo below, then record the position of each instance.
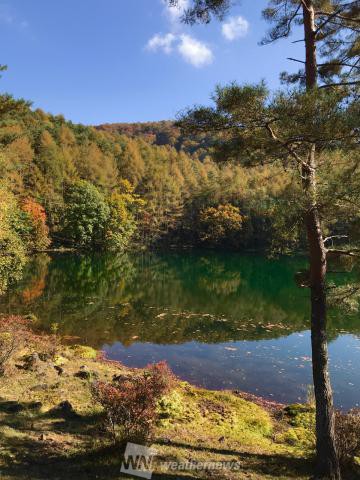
(327, 464)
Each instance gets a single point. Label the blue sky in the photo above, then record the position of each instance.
(98, 61)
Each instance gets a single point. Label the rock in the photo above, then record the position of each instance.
(64, 409)
(85, 374)
(34, 405)
(59, 369)
(45, 357)
(34, 363)
(40, 387)
(120, 378)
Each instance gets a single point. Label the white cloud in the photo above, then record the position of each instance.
(194, 51)
(236, 27)
(161, 42)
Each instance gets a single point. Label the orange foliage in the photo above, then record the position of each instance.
(37, 215)
(35, 210)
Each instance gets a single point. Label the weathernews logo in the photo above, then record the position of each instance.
(138, 460)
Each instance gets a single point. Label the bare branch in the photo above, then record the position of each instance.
(327, 239)
(296, 60)
(348, 253)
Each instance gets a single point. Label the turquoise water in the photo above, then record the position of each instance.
(221, 320)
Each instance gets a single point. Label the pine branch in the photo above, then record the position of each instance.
(340, 84)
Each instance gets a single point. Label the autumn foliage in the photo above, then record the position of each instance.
(219, 224)
(130, 402)
(37, 218)
(15, 333)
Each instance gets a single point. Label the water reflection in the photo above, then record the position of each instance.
(221, 320)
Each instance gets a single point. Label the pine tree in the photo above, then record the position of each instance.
(297, 127)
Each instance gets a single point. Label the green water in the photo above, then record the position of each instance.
(221, 320)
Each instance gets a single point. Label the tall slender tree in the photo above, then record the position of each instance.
(300, 127)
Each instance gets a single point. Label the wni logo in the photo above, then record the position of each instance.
(138, 460)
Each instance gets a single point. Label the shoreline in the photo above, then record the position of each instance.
(52, 428)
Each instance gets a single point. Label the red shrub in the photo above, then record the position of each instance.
(14, 334)
(130, 402)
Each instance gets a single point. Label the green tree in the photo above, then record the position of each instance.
(296, 127)
(86, 216)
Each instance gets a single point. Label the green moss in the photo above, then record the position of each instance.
(208, 416)
(60, 360)
(171, 407)
(300, 415)
(298, 437)
(83, 351)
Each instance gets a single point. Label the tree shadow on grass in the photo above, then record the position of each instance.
(260, 463)
(57, 448)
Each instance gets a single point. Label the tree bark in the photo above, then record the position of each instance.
(327, 464)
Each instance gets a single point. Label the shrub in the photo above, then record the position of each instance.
(14, 334)
(130, 402)
(348, 436)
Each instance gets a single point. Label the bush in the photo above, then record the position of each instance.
(14, 334)
(348, 436)
(130, 402)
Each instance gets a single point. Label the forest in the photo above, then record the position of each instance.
(117, 187)
(130, 186)
(256, 173)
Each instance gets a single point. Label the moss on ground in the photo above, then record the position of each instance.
(39, 440)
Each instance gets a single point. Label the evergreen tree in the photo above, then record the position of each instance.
(296, 128)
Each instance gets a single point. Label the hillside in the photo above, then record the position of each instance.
(114, 186)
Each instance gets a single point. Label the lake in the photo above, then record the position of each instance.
(221, 320)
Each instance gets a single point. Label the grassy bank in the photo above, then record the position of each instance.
(51, 427)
